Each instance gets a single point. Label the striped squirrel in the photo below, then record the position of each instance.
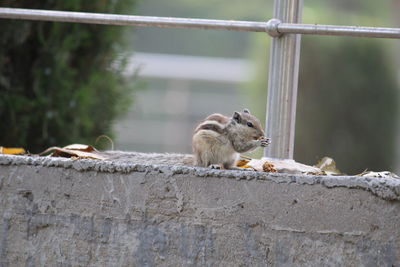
(218, 140)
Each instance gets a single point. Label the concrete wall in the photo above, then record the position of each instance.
(60, 212)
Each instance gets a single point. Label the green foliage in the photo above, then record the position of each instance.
(347, 103)
(58, 83)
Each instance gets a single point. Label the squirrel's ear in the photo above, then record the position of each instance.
(246, 111)
(236, 117)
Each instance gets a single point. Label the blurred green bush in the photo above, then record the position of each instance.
(347, 103)
(59, 82)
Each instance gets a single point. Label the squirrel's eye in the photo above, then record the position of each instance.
(250, 124)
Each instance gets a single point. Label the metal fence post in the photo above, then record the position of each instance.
(282, 82)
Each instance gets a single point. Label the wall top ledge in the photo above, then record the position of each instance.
(386, 188)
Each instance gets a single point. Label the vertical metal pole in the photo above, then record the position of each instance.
(282, 82)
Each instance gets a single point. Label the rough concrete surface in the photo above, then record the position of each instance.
(61, 212)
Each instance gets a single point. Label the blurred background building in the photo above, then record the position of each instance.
(180, 91)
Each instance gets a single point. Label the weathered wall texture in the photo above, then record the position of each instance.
(59, 212)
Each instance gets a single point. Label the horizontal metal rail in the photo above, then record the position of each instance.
(128, 20)
(274, 27)
(353, 31)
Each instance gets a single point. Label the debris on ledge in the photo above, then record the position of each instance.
(384, 174)
(283, 166)
(325, 167)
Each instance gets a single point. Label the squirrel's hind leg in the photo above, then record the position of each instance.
(198, 160)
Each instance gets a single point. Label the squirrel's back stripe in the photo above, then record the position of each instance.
(207, 125)
(215, 122)
(218, 118)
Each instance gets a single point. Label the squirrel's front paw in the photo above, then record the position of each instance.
(265, 141)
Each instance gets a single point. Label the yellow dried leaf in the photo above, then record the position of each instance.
(12, 150)
(246, 167)
(241, 163)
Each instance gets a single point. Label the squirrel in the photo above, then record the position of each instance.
(218, 140)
